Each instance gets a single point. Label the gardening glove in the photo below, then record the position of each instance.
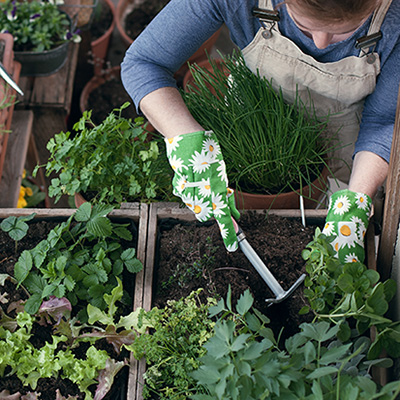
(347, 223)
(201, 182)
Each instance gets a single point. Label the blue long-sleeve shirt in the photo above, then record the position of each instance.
(183, 25)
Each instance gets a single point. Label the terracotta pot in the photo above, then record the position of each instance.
(289, 200)
(124, 7)
(80, 11)
(99, 47)
(97, 81)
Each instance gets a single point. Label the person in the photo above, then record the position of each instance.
(341, 55)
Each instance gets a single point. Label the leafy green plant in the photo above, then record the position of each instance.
(20, 357)
(36, 25)
(247, 114)
(171, 341)
(245, 361)
(115, 161)
(16, 227)
(79, 259)
(349, 294)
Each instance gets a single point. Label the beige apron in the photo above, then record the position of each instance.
(338, 88)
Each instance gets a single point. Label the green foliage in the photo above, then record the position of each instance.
(246, 113)
(244, 361)
(172, 346)
(349, 294)
(35, 25)
(29, 364)
(16, 227)
(79, 260)
(114, 160)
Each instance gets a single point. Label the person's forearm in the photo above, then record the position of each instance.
(368, 173)
(167, 112)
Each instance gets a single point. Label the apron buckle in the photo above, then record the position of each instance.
(367, 45)
(268, 19)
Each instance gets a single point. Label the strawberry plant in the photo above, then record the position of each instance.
(80, 259)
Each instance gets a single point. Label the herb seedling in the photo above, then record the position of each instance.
(16, 227)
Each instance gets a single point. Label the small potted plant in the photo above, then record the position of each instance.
(270, 147)
(111, 162)
(41, 34)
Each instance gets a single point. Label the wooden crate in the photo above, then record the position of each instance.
(137, 213)
(144, 287)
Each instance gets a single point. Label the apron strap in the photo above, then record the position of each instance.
(378, 17)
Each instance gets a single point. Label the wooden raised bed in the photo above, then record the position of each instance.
(135, 212)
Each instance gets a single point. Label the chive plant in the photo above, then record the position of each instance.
(269, 146)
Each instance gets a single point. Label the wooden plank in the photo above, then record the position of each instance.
(54, 90)
(139, 290)
(17, 147)
(391, 211)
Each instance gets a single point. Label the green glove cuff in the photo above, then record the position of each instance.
(200, 180)
(347, 222)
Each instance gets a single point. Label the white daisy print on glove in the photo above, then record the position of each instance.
(200, 162)
(347, 234)
(361, 201)
(232, 247)
(342, 205)
(223, 230)
(222, 172)
(351, 257)
(202, 209)
(188, 200)
(181, 183)
(172, 143)
(176, 163)
(217, 204)
(212, 147)
(205, 188)
(328, 228)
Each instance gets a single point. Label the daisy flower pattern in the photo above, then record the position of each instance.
(328, 228)
(200, 161)
(351, 257)
(342, 205)
(346, 223)
(217, 204)
(200, 180)
(205, 188)
(202, 209)
(362, 201)
(212, 147)
(176, 163)
(172, 143)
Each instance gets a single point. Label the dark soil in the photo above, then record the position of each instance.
(48, 386)
(102, 20)
(108, 96)
(192, 256)
(141, 16)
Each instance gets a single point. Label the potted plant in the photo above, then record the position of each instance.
(270, 147)
(111, 162)
(132, 16)
(80, 11)
(100, 33)
(41, 34)
(63, 338)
